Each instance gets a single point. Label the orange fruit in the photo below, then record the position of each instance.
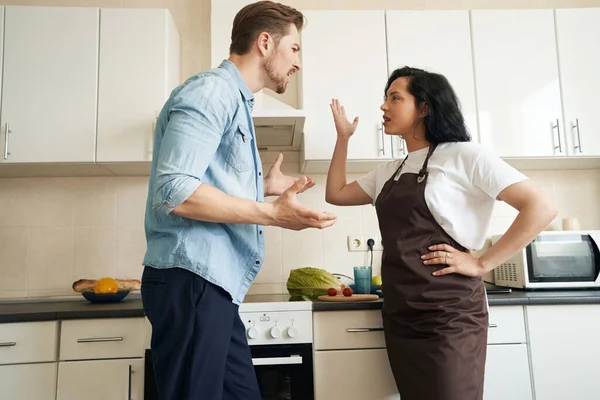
(106, 285)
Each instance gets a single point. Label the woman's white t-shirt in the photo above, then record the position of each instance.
(464, 181)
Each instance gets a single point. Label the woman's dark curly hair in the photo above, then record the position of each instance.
(444, 121)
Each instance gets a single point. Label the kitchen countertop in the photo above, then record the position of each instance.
(76, 307)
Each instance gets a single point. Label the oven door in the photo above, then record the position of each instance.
(284, 372)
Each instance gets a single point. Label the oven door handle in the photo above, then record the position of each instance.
(277, 360)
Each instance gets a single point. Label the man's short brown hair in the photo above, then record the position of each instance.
(262, 16)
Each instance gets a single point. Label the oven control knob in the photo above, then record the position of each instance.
(252, 333)
(292, 331)
(275, 332)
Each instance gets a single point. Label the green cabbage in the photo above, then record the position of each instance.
(311, 282)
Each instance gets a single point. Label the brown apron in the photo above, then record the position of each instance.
(435, 327)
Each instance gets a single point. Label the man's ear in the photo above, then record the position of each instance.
(264, 43)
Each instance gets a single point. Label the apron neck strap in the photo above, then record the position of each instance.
(423, 170)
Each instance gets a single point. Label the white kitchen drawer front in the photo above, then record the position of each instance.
(335, 330)
(506, 325)
(28, 342)
(102, 338)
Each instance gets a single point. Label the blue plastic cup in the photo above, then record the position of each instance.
(362, 279)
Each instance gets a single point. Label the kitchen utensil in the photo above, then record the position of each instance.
(105, 297)
(354, 297)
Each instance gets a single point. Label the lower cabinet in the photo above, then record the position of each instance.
(507, 373)
(100, 380)
(565, 351)
(28, 381)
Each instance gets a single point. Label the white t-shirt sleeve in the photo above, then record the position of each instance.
(492, 175)
(368, 183)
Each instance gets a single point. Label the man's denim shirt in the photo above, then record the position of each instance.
(204, 134)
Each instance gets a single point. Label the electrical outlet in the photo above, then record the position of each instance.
(377, 239)
(356, 243)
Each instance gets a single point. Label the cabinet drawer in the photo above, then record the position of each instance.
(102, 338)
(348, 330)
(26, 342)
(506, 325)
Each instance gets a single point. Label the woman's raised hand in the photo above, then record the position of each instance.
(343, 126)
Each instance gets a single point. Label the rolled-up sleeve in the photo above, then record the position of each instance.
(197, 118)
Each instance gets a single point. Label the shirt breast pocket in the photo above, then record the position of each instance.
(240, 155)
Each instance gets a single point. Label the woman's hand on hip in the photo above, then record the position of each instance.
(343, 126)
(458, 262)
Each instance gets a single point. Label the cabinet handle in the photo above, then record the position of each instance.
(382, 149)
(492, 326)
(95, 340)
(557, 126)
(364, 330)
(8, 344)
(578, 136)
(6, 134)
(129, 384)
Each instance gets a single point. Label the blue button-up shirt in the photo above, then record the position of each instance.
(204, 134)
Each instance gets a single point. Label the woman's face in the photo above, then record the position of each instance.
(400, 115)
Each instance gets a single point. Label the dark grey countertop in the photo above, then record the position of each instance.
(26, 310)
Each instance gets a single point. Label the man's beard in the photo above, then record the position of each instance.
(277, 79)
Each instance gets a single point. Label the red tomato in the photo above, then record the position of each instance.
(347, 292)
(331, 292)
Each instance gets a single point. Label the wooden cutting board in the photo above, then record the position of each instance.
(354, 297)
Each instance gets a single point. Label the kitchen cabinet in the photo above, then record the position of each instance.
(49, 84)
(344, 57)
(29, 381)
(354, 374)
(507, 372)
(350, 359)
(28, 354)
(448, 52)
(564, 350)
(517, 82)
(577, 32)
(139, 67)
(99, 380)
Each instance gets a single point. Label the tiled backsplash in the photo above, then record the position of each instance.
(54, 231)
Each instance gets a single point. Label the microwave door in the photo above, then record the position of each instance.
(566, 258)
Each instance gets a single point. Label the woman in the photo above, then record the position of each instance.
(434, 207)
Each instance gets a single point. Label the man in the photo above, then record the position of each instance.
(205, 211)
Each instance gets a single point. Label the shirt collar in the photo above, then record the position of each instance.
(246, 93)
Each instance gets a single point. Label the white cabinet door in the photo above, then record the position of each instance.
(28, 381)
(578, 32)
(507, 373)
(100, 380)
(565, 351)
(518, 93)
(50, 84)
(354, 375)
(344, 57)
(139, 66)
(444, 47)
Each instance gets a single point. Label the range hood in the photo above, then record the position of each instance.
(278, 126)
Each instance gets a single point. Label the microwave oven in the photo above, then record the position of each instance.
(553, 260)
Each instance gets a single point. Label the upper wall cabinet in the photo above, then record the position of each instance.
(139, 67)
(443, 47)
(518, 90)
(344, 57)
(49, 85)
(578, 34)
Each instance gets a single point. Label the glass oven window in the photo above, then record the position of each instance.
(562, 258)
